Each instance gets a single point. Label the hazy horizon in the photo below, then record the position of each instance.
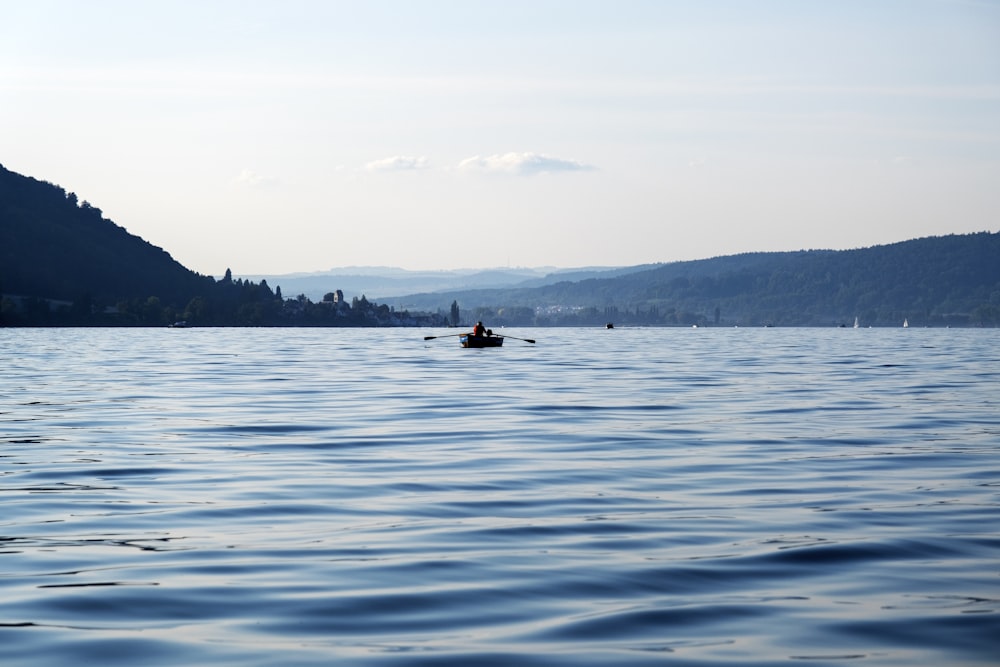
(275, 139)
(377, 270)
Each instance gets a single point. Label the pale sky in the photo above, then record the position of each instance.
(299, 135)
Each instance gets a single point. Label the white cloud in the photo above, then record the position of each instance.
(524, 164)
(251, 179)
(398, 163)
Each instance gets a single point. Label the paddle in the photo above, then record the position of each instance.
(526, 340)
(445, 336)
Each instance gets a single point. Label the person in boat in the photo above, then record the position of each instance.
(479, 330)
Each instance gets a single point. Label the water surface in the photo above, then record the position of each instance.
(604, 497)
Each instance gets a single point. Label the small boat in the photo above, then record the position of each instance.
(179, 324)
(855, 323)
(906, 323)
(469, 340)
(610, 325)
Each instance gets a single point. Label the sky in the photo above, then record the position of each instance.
(301, 135)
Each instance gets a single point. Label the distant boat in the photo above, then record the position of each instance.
(610, 325)
(906, 323)
(855, 323)
(179, 324)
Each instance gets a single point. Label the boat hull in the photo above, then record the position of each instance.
(468, 340)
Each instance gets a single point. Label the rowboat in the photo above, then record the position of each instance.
(468, 340)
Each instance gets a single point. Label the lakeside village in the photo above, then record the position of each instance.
(239, 303)
(246, 305)
(243, 303)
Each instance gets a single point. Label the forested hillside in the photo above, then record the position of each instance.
(54, 246)
(952, 280)
(62, 263)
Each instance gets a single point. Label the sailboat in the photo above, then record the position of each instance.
(855, 323)
(906, 323)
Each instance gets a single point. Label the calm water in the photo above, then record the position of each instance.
(605, 497)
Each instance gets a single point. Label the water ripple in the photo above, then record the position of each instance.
(308, 497)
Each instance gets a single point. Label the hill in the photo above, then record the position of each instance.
(55, 247)
(63, 263)
(952, 280)
(382, 282)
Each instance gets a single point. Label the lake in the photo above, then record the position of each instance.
(648, 496)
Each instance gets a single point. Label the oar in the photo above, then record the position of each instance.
(445, 336)
(526, 340)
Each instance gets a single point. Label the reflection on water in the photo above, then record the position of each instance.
(625, 496)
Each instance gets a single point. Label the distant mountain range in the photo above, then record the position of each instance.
(382, 282)
(953, 280)
(62, 262)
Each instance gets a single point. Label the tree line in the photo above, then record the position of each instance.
(227, 302)
(950, 280)
(62, 263)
